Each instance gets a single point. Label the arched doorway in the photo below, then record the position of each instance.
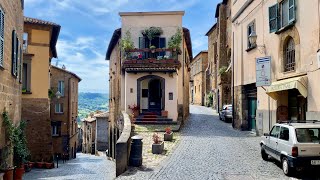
(151, 93)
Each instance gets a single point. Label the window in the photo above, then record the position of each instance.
(251, 28)
(56, 128)
(308, 135)
(26, 76)
(61, 87)
(25, 42)
(59, 108)
(284, 134)
(289, 55)
(1, 37)
(15, 54)
(275, 131)
(282, 15)
(158, 42)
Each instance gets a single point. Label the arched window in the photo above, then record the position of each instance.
(289, 55)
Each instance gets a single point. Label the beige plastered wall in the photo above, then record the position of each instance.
(306, 36)
(170, 86)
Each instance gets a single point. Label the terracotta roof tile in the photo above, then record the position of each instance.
(39, 21)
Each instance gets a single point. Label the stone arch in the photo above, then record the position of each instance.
(284, 38)
(162, 80)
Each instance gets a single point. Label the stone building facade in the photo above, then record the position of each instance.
(219, 50)
(102, 126)
(64, 111)
(292, 44)
(11, 16)
(198, 79)
(89, 135)
(155, 81)
(212, 62)
(40, 38)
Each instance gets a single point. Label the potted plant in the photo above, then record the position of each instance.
(168, 135)
(135, 110)
(127, 44)
(40, 164)
(5, 167)
(6, 151)
(20, 150)
(153, 48)
(175, 41)
(157, 146)
(152, 32)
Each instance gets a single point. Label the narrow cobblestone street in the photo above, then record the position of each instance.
(85, 166)
(211, 149)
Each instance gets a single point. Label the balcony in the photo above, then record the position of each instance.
(151, 60)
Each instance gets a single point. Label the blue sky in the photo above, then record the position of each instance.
(87, 27)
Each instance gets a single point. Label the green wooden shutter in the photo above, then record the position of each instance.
(1, 37)
(273, 18)
(14, 53)
(292, 11)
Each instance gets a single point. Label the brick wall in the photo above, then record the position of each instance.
(37, 114)
(10, 88)
(69, 116)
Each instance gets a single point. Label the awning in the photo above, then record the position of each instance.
(299, 83)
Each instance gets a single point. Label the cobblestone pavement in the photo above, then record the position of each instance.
(85, 166)
(211, 149)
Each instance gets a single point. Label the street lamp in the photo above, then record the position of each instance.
(253, 41)
(253, 38)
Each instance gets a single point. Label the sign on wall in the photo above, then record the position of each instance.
(263, 71)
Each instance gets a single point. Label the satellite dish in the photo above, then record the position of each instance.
(63, 67)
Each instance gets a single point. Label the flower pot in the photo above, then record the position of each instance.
(8, 174)
(153, 50)
(40, 164)
(164, 113)
(168, 137)
(48, 165)
(31, 164)
(18, 173)
(135, 113)
(157, 148)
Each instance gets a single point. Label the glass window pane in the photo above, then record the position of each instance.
(285, 13)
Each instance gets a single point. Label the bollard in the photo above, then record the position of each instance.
(136, 151)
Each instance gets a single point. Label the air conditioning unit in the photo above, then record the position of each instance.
(318, 58)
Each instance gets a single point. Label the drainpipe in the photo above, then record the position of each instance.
(233, 108)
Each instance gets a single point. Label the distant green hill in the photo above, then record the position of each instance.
(90, 102)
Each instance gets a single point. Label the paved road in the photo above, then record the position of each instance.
(211, 149)
(83, 167)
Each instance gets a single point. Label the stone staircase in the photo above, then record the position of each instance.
(153, 118)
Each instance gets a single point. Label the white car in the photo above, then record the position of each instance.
(295, 145)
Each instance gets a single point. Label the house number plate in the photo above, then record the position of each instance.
(315, 162)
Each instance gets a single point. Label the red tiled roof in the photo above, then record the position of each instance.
(69, 72)
(38, 21)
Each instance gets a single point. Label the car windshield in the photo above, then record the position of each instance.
(308, 135)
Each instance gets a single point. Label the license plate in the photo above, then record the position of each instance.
(315, 162)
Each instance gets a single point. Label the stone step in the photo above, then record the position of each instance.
(156, 122)
(153, 119)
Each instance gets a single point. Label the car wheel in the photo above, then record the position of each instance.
(287, 170)
(264, 155)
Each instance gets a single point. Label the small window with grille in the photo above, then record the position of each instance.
(289, 55)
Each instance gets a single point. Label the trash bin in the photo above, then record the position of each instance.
(136, 151)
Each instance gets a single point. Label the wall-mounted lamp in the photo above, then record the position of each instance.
(58, 95)
(253, 41)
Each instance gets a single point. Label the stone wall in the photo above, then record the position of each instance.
(102, 134)
(10, 88)
(37, 114)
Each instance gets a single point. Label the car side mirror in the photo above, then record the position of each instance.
(266, 134)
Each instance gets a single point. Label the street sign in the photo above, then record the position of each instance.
(263, 71)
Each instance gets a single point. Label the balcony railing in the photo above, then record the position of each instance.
(149, 60)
